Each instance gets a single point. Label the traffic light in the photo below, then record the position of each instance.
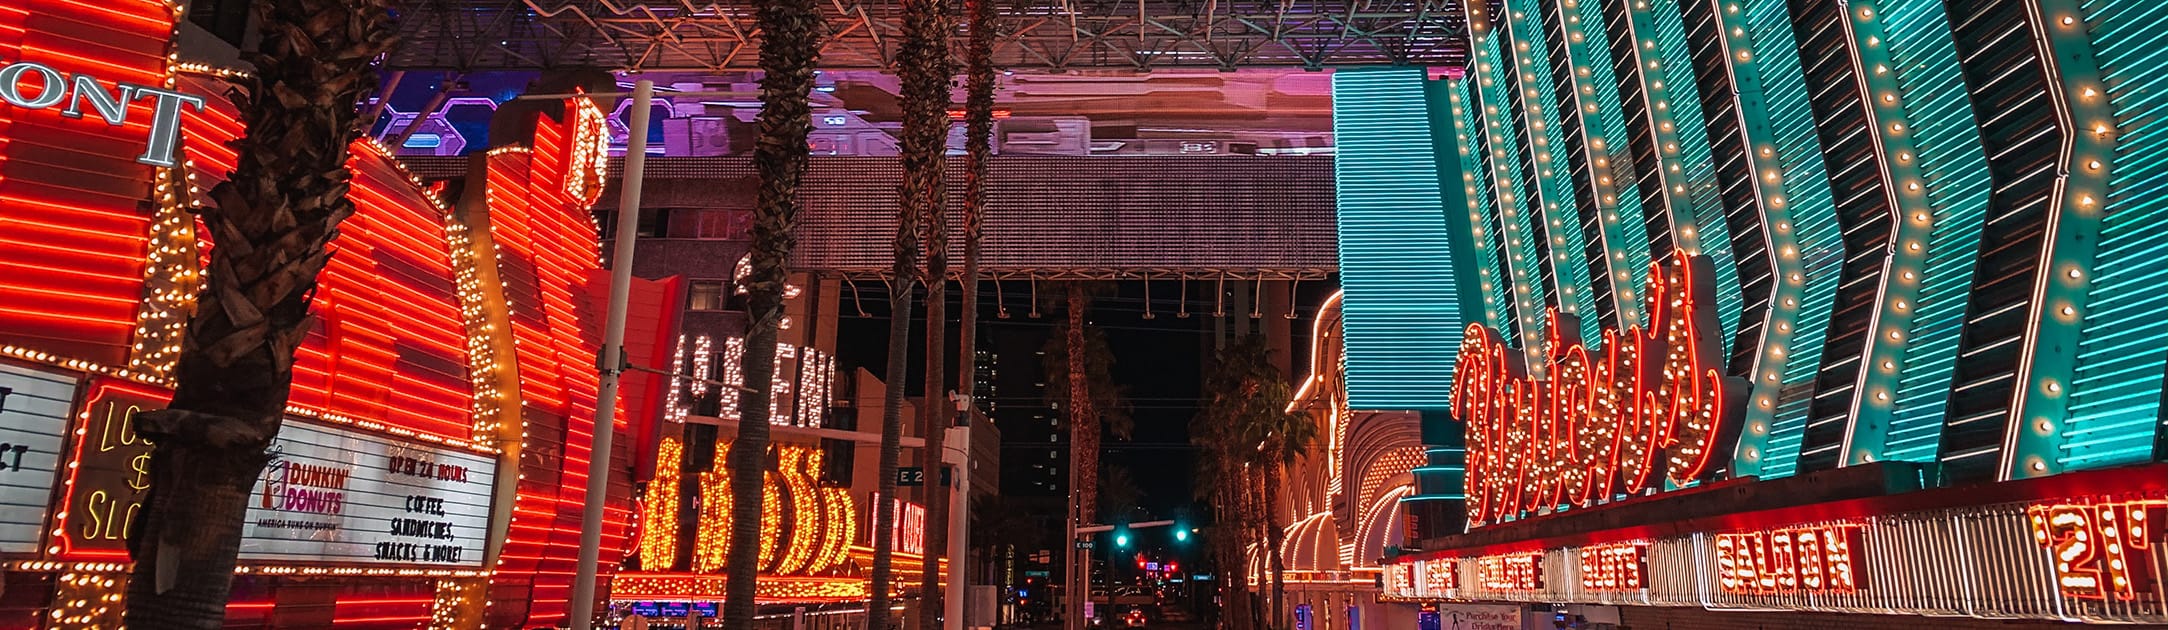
(1121, 539)
(1181, 535)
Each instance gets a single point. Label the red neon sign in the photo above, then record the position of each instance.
(71, 190)
(1598, 423)
(1618, 567)
(1517, 572)
(1820, 559)
(2098, 548)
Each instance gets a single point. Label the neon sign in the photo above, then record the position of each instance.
(1617, 567)
(52, 88)
(1517, 572)
(1819, 559)
(2098, 548)
(1586, 425)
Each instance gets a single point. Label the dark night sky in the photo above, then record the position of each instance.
(1159, 360)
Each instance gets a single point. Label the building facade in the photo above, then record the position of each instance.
(1796, 305)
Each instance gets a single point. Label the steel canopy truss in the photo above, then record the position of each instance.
(1046, 35)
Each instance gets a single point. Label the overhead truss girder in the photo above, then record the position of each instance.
(1043, 35)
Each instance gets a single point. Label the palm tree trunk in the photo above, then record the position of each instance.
(792, 29)
(1083, 419)
(274, 220)
(899, 357)
(1277, 535)
(978, 145)
(924, 69)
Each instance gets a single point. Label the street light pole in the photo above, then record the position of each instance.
(612, 359)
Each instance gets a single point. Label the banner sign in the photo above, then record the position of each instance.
(34, 407)
(338, 495)
(2075, 559)
(1479, 617)
(1577, 425)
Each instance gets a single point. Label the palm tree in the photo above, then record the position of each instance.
(1119, 495)
(792, 30)
(274, 219)
(978, 146)
(923, 66)
(1250, 435)
(1081, 369)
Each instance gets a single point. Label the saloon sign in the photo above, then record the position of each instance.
(35, 86)
(1645, 405)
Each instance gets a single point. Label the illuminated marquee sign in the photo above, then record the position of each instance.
(1516, 572)
(110, 471)
(1615, 567)
(2099, 549)
(336, 495)
(35, 86)
(33, 417)
(1823, 559)
(1649, 404)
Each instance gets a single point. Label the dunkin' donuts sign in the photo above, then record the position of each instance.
(1645, 405)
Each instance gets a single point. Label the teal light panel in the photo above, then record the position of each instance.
(1708, 211)
(1497, 304)
(1524, 254)
(1561, 211)
(2116, 396)
(1611, 128)
(1402, 326)
(1814, 221)
(1955, 165)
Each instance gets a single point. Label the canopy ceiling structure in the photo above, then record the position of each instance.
(1034, 35)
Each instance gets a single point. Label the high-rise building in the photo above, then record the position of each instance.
(1775, 247)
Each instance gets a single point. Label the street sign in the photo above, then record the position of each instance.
(1084, 544)
(910, 476)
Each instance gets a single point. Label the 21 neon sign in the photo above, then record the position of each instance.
(1601, 423)
(2099, 549)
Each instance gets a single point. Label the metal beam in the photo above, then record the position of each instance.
(1049, 35)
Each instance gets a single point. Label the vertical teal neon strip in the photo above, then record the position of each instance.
(1456, 189)
(1608, 136)
(1814, 222)
(1714, 234)
(1561, 211)
(2040, 423)
(1955, 167)
(1482, 207)
(2115, 402)
(1522, 251)
(1779, 346)
(1402, 323)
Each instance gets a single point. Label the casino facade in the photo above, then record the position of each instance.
(1720, 308)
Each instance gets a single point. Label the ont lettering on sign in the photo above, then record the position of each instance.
(1649, 404)
(1518, 572)
(36, 86)
(1618, 567)
(2100, 549)
(1821, 559)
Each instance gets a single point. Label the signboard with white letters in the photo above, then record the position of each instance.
(34, 407)
(79, 96)
(344, 496)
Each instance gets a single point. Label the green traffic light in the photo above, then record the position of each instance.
(1181, 535)
(1122, 540)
